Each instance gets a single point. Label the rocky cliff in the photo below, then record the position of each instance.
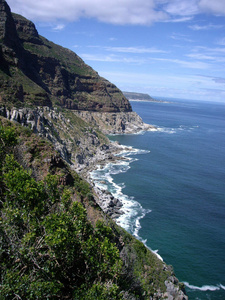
(115, 123)
(59, 99)
(66, 258)
(36, 71)
(50, 89)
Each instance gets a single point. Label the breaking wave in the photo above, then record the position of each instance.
(205, 288)
(176, 129)
(133, 211)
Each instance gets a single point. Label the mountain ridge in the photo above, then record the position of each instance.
(59, 142)
(138, 96)
(47, 73)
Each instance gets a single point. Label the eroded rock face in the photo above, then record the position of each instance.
(115, 123)
(80, 145)
(48, 72)
(8, 33)
(26, 29)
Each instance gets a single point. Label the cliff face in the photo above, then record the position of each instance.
(37, 186)
(51, 91)
(35, 71)
(115, 123)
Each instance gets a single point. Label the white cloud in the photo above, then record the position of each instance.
(202, 56)
(209, 51)
(195, 63)
(134, 50)
(112, 39)
(136, 12)
(214, 7)
(181, 7)
(220, 80)
(193, 7)
(111, 58)
(59, 27)
(181, 37)
(179, 20)
(221, 42)
(183, 86)
(185, 64)
(111, 11)
(205, 27)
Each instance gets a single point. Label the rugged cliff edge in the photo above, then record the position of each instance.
(36, 71)
(115, 123)
(57, 98)
(36, 255)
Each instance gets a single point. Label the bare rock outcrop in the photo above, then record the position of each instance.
(115, 123)
(48, 73)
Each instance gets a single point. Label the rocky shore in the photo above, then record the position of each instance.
(92, 153)
(114, 208)
(83, 148)
(51, 91)
(108, 203)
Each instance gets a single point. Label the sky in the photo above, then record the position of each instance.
(165, 48)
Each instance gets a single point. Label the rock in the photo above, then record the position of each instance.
(118, 203)
(105, 147)
(115, 123)
(44, 77)
(173, 291)
(102, 182)
(111, 204)
(8, 33)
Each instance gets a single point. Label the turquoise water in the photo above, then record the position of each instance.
(173, 190)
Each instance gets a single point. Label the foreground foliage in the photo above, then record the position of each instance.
(55, 242)
(48, 248)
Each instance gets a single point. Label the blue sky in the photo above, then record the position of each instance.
(166, 48)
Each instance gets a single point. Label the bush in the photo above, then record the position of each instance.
(48, 248)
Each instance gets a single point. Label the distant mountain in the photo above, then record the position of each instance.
(138, 96)
(36, 71)
(142, 97)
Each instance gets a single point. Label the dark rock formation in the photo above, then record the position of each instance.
(36, 76)
(8, 33)
(47, 73)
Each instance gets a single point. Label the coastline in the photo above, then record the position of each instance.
(111, 154)
(111, 205)
(115, 209)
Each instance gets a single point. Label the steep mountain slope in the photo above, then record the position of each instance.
(35, 71)
(56, 243)
(49, 88)
(55, 240)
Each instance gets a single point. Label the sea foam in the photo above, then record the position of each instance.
(174, 130)
(204, 288)
(103, 179)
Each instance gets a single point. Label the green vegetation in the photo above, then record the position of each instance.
(55, 243)
(48, 248)
(47, 74)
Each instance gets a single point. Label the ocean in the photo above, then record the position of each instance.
(172, 187)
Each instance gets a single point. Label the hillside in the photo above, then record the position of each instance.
(35, 71)
(138, 96)
(57, 240)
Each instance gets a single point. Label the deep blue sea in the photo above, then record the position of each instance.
(173, 190)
